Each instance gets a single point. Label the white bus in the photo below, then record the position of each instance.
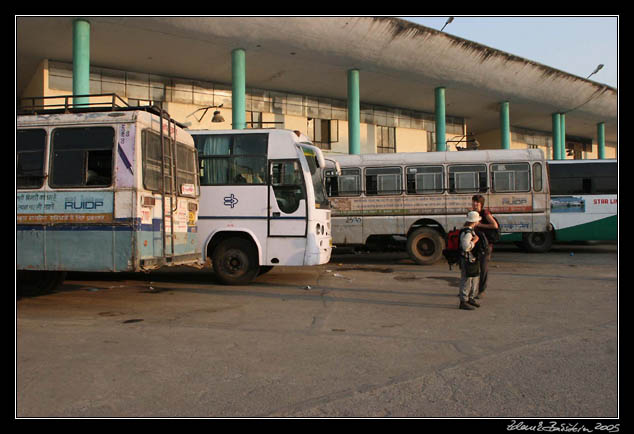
(263, 202)
(424, 195)
(102, 189)
(584, 199)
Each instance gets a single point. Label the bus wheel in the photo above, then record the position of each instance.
(537, 242)
(235, 261)
(425, 246)
(38, 282)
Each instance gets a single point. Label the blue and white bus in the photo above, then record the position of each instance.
(102, 190)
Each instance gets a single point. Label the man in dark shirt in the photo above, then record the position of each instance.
(487, 222)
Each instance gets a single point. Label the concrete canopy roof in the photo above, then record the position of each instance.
(400, 64)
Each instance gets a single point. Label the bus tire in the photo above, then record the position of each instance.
(38, 282)
(425, 246)
(235, 261)
(537, 242)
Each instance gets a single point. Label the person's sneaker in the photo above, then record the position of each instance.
(480, 296)
(466, 306)
(472, 302)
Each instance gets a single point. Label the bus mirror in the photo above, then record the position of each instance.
(318, 155)
(337, 166)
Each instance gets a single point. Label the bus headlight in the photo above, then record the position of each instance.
(320, 229)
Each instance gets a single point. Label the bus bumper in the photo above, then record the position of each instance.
(318, 250)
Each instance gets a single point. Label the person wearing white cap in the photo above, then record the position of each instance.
(469, 265)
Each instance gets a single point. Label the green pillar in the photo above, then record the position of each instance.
(601, 139)
(238, 89)
(354, 117)
(81, 60)
(556, 136)
(562, 147)
(441, 142)
(505, 126)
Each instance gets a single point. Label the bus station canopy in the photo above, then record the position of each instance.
(400, 64)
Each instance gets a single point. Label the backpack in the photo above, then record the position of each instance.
(452, 251)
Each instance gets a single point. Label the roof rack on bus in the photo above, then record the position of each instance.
(101, 102)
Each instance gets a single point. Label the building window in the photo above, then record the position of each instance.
(386, 140)
(324, 131)
(254, 120)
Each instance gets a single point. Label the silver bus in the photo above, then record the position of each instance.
(422, 196)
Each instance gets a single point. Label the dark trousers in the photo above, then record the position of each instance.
(484, 269)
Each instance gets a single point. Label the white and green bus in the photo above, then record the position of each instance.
(584, 200)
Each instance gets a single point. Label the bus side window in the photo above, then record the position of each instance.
(510, 177)
(348, 184)
(468, 178)
(288, 186)
(537, 177)
(425, 179)
(384, 180)
(232, 159)
(186, 166)
(82, 157)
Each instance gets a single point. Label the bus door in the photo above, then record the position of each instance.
(287, 210)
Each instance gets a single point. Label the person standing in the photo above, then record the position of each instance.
(469, 267)
(487, 223)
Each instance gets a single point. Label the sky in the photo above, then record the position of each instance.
(573, 44)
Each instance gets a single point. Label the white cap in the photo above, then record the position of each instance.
(473, 217)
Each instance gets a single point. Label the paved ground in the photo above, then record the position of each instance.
(367, 335)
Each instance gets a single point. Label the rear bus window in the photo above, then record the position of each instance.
(30, 146)
(82, 157)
